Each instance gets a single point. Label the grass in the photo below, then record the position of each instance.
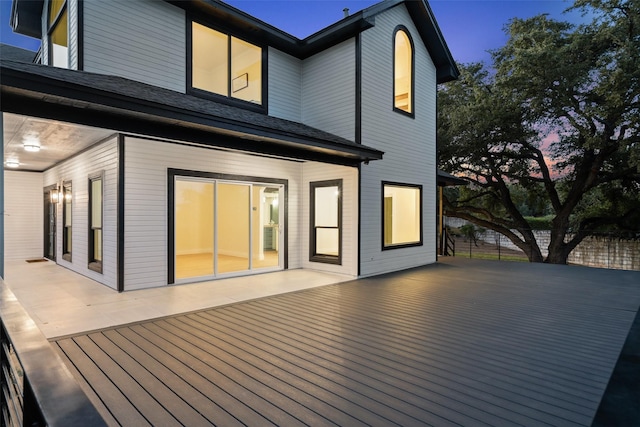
(479, 255)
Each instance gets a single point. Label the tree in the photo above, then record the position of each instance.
(558, 116)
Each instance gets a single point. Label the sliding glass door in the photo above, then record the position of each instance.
(233, 227)
(194, 220)
(225, 228)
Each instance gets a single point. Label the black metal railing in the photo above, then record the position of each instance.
(449, 245)
(12, 397)
(37, 388)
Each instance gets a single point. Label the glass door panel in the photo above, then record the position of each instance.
(266, 226)
(194, 228)
(233, 244)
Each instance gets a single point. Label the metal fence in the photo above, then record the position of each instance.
(615, 250)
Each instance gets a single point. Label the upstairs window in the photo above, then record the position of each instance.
(403, 72)
(58, 30)
(225, 65)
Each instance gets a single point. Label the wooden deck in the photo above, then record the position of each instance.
(464, 342)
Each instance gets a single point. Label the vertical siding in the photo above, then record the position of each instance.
(146, 226)
(44, 45)
(322, 172)
(143, 40)
(409, 144)
(329, 90)
(285, 86)
(23, 216)
(72, 7)
(101, 157)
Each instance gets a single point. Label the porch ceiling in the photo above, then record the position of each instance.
(57, 140)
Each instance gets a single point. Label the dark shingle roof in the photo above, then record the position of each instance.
(13, 53)
(133, 97)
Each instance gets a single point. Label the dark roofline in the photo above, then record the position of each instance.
(14, 53)
(445, 179)
(25, 19)
(128, 106)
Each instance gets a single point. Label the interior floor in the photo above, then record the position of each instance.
(197, 265)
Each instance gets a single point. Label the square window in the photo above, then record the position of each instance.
(401, 215)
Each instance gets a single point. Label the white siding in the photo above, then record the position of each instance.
(44, 45)
(101, 157)
(146, 226)
(329, 90)
(322, 172)
(409, 144)
(285, 86)
(143, 40)
(72, 8)
(23, 216)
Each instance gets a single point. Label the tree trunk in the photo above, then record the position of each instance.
(558, 249)
(530, 246)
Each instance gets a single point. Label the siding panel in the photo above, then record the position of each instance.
(146, 226)
(322, 172)
(409, 144)
(285, 86)
(23, 216)
(142, 40)
(101, 157)
(329, 90)
(73, 33)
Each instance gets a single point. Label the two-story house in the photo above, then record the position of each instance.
(161, 142)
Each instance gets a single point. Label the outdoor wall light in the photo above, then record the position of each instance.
(54, 195)
(12, 163)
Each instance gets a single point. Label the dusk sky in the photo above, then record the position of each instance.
(470, 27)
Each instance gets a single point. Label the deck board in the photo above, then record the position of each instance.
(460, 343)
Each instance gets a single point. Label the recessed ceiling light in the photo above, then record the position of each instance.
(31, 146)
(12, 163)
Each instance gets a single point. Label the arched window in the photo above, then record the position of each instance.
(403, 71)
(58, 30)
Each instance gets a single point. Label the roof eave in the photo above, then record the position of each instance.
(31, 94)
(429, 30)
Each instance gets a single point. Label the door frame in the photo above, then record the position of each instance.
(172, 174)
(50, 208)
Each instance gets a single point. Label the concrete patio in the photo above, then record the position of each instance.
(462, 342)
